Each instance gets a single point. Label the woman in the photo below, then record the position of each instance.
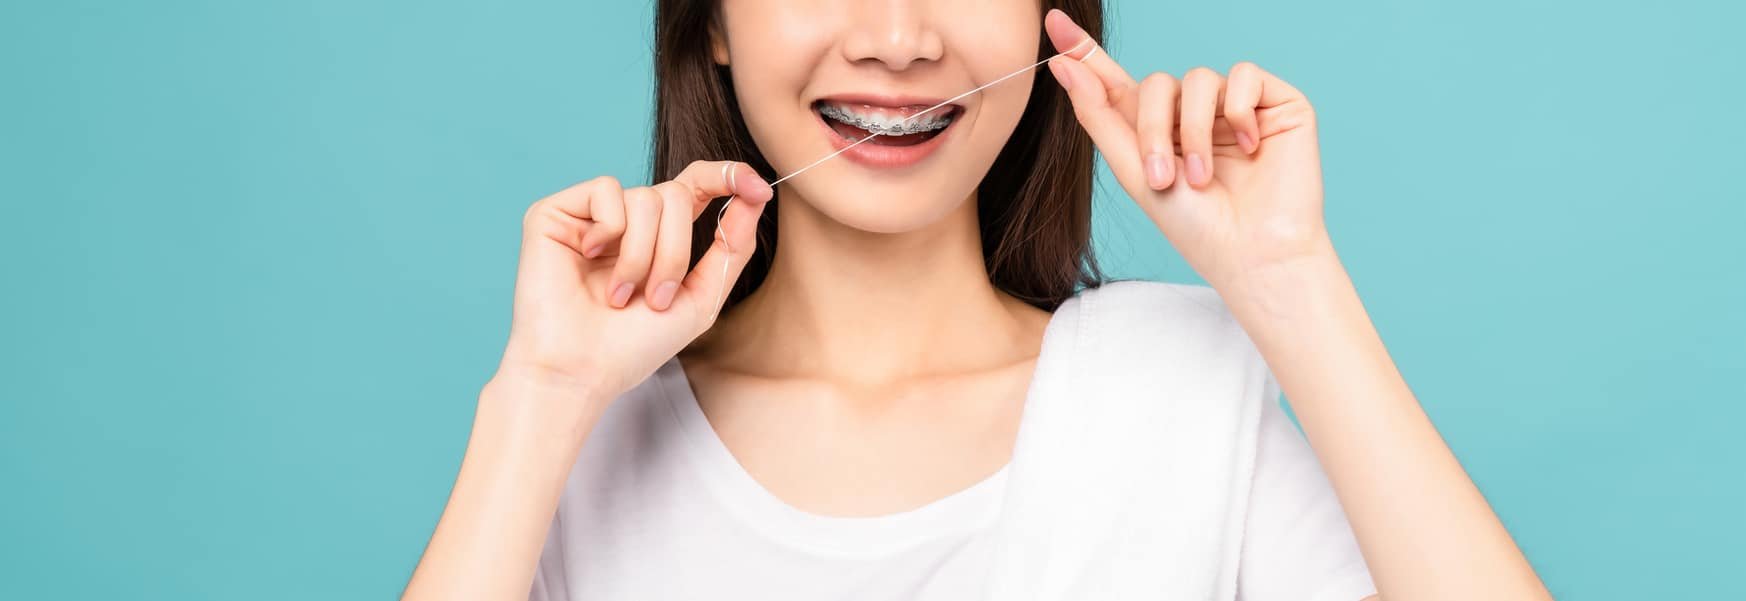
(872, 411)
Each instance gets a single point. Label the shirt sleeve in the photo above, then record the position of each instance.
(1297, 543)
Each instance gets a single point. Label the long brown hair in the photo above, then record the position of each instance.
(1034, 205)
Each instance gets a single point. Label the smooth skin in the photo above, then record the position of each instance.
(1227, 167)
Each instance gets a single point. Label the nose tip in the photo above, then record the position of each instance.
(897, 36)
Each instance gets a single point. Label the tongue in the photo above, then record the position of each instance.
(855, 133)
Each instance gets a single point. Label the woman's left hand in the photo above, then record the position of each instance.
(1227, 167)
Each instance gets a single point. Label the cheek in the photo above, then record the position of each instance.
(1000, 107)
(765, 91)
(997, 117)
(992, 39)
(773, 50)
(1000, 33)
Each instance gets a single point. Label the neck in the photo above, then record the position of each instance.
(852, 305)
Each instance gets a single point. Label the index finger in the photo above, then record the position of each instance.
(1071, 38)
(709, 180)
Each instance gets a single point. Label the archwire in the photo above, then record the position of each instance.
(898, 129)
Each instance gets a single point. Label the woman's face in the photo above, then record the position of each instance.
(805, 70)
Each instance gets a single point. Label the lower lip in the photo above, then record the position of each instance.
(884, 157)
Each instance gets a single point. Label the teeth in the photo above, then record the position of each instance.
(890, 125)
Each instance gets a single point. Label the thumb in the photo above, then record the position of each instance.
(709, 282)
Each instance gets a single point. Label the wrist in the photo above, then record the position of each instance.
(534, 378)
(541, 405)
(1304, 287)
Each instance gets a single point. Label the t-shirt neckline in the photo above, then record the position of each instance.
(967, 510)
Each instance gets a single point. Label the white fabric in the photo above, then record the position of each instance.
(1153, 462)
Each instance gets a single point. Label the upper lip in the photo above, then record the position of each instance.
(893, 101)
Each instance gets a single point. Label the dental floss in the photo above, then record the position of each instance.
(729, 172)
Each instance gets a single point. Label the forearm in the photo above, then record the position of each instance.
(489, 539)
(1425, 529)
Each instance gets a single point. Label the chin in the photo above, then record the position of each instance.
(891, 207)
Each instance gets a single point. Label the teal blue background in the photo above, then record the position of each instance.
(257, 260)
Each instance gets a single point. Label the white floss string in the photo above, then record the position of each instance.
(728, 173)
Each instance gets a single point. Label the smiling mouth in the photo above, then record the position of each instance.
(854, 121)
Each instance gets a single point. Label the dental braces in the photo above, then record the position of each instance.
(901, 129)
(728, 173)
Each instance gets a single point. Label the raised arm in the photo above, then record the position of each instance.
(580, 336)
(1229, 169)
(526, 434)
(1425, 529)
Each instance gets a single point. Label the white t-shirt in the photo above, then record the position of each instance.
(657, 507)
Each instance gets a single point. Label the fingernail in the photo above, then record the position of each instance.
(594, 251)
(621, 295)
(1061, 74)
(1244, 141)
(1157, 171)
(1196, 170)
(663, 297)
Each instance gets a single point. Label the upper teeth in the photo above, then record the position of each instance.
(889, 125)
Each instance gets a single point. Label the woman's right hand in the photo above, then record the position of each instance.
(602, 297)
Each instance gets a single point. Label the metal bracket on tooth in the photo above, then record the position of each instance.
(898, 130)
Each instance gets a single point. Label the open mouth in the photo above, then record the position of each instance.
(895, 125)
